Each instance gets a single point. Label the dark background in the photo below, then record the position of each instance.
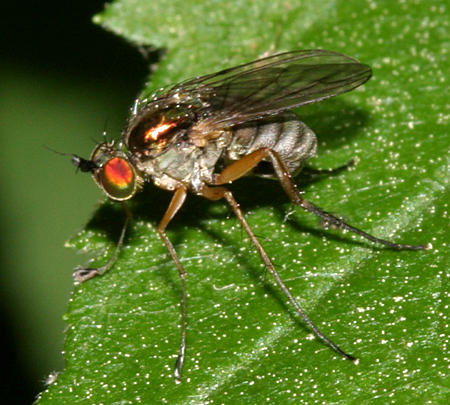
(63, 81)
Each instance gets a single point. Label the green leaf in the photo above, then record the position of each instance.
(245, 343)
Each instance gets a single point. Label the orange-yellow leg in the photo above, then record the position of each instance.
(215, 193)
(247, 163)
(176, 203)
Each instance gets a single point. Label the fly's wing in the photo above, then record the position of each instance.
(272, 85)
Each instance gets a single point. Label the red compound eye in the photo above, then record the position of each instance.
(118, 179)
(118, 172)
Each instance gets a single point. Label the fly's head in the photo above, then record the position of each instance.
(111, 170)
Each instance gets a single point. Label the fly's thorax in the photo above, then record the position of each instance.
(170, 168)
(151, 133)
(206, 163)
(182, 163)
(294, 141)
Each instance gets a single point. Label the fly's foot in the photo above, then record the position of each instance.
(178, 367)
(82, 274)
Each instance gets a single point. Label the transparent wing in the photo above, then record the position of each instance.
(272, 85)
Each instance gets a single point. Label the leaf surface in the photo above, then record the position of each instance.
(245, 344)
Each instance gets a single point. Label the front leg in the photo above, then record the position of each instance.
(175, 204)
(82, 274)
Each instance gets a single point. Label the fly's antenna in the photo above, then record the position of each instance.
(57, 151)
(80, 163)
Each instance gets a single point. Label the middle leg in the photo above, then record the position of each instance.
(216, 193)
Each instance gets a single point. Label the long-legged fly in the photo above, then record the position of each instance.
(207, 132)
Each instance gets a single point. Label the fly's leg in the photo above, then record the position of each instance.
(175, 204)
(81, 274)
(216, 193)
(309, 171)
(247, 163)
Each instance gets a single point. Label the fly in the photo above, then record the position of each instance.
(204, 133)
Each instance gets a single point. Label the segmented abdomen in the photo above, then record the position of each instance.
(290, 138)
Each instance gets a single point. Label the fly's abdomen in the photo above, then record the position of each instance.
(290, 138)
